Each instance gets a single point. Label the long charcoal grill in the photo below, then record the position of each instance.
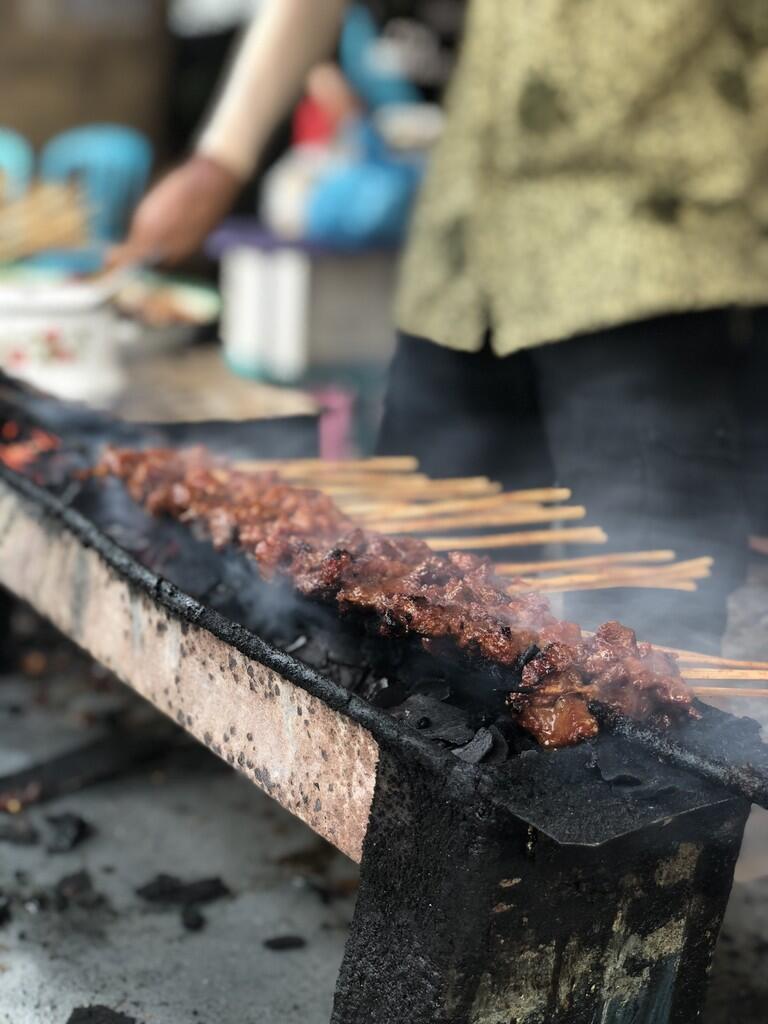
(564, 887)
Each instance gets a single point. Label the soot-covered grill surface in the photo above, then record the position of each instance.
(460, 715)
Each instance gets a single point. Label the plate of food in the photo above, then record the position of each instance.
(166, 312)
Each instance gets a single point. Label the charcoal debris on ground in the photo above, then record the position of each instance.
(169, 889)
(19, 831)
(77, 890)
(99, 1015)
(67, 831)
(6, 915)
(284, 943)
(192, 918)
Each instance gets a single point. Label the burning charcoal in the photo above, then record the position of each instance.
(282, 943)
(169, 889)
(5, 910)
(69, 830)
(99, 1015)
(436, 720)
(18, 831)
(77, 890)
(192, 918)
(478, 748)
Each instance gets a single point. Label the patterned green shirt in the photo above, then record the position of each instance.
(604, 161)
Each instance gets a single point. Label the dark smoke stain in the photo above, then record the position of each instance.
(732, 86)
(541, 109)
(662, 205)
(455, 246)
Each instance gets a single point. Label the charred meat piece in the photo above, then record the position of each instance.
(405, 588)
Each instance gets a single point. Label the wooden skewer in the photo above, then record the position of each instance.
(694, 658)
(383, 505)
(371, 508)
(376, 481)
(567, 586)
(377, 464)
(572, 535)
(725, 673)
(585, 561)
(512, 517)
(418, 490)
(696, 568)
(730, 691)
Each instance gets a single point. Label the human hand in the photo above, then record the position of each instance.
(178, 213)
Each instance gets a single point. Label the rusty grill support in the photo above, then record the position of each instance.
(537, 891)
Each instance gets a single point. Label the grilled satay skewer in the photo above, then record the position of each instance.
(585, 561)
(374, 464)
(523, 538)
(730, 691)
(373, 507)
(693, 569)
(505, 517)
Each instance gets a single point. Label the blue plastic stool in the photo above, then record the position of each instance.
(17, 161)
(111, 162)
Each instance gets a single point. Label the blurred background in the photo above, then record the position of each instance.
(289, 305)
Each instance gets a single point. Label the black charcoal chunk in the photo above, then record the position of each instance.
(77, 890)
(500, 750)
(192, 918)
(283, 943)
(67, 832)
(446, 722)
(99, 1015)
(169, 889)
(478, 747)
(19, 831)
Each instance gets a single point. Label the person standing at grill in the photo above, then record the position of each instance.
(581, 298)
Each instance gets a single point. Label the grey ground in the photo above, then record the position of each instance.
(190, 815)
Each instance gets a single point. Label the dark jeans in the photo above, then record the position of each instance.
(658, 427)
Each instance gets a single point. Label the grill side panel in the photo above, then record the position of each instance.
(315, 761)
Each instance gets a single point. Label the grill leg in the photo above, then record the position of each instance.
(465, 918)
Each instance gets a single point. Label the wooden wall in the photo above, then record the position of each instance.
(65, 62)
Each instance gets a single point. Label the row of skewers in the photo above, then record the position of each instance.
(389, 494)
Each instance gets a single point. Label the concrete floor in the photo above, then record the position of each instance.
(138, 959)
(190, 815)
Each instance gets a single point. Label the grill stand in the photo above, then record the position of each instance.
(469, 912)
(469, 916)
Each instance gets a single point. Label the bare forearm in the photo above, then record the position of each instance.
(284, 42)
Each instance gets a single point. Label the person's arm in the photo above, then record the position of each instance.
(285, 40)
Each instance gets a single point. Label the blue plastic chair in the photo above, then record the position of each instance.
(377, 88)
(111, 162)
(17, 161)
